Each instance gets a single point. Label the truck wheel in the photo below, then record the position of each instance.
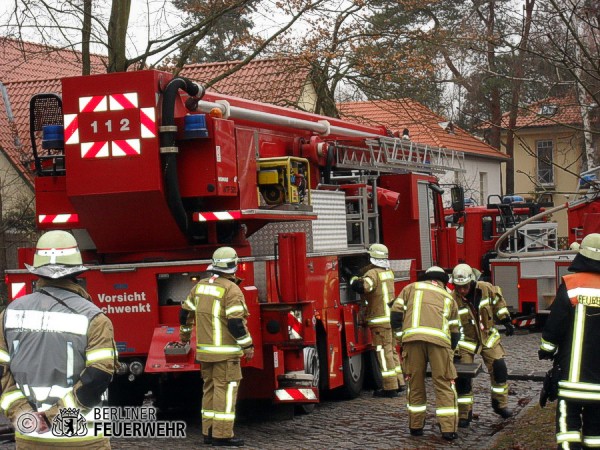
(313, 367)
(354, 375)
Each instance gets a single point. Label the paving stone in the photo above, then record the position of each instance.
(376, 423)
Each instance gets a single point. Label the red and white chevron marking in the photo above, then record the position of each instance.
(219, 215)
(148, 121)
(17, 290)
(58, 218)
(95, 103)
(295, 324)
(128, 147)
(71, 122)
(293, 395)
(94, 149)
(524, 322)
(117, 102)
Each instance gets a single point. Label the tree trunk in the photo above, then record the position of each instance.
(588, 142)
(117, 35)
(86, 31)
(515, 96)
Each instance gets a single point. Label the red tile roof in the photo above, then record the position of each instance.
(423, 125)
(277, 81)
(567, 112)
(14, 138)
(271, 81)
(29, 61)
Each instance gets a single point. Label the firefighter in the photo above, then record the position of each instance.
(571, 336)
(425, 317)
(479, 305)
(66, 353)
(376, 287)
(216, 304)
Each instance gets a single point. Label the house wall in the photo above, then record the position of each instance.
(308, 98)
(567, 153)
(15, 192)
(470, 180)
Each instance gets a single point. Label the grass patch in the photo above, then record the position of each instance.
(533, 429)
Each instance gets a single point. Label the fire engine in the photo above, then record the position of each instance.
(152, 174)
(516, 246)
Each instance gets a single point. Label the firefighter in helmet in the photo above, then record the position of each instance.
(425, 317)
(570, 337)
(480, 304)
(216, 304)
(376, 287)
(66, 352)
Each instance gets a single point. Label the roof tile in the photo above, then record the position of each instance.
(277, 81)
(423, 124)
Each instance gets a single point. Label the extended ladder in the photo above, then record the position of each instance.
(388, 154)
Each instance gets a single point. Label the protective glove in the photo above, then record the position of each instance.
(346, 271)
(454, 338)
(248, 352)
(543, 354)
(509, 328)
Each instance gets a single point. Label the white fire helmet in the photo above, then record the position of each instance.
(379, 255)
(590, 246)
(56, 255)
(224, 260)
(462, 275)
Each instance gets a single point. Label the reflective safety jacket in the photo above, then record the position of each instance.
(478, 315)
(429, 313)
(378, 284)
(57, 351)
(573, 329)
(214, 304)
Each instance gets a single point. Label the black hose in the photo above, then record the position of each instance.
(167, 139)
(328, 164)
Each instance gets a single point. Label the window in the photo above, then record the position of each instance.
(545, 170)
(483, 188)
(548, 110)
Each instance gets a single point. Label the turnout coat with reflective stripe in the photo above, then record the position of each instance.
(378, 286)
(430, 313)
(211, 304)
(573, 329)
(477, 320)
(47, 345)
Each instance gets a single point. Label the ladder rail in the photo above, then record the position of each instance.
(397, 155)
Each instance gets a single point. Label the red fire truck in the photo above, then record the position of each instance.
(516, 246)
(152, 174)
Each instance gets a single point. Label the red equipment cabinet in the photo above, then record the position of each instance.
(151, 182)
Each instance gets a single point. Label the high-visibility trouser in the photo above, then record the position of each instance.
(221, 382)
(397, 364)
(416, 354)
(577, 424)
(382, 343)
(499, 385)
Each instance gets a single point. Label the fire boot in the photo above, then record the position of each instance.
(208, 437)
(416, 431)
(449, 436)
(227, 442)
(464, 423)
(385, 394)
(505, 412)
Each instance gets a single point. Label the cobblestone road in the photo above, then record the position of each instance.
(369, 423)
